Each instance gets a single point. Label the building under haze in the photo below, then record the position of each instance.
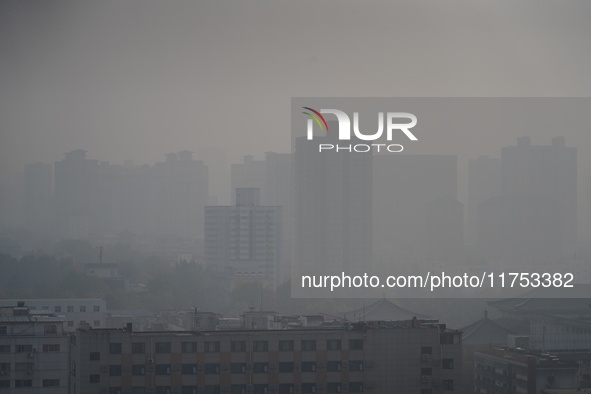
(333, 208)
(75, 194)
(484, 182)
(34, 352)
(383, 357)
(534, 219)
(415, 208)
(245, 240)
(38, 198)
(75, 312)
(250, 173)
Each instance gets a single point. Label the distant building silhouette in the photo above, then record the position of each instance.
(484, 182)
(411, 195)
(245, 240)
(75, 193)
(534, 219)
(333, 208)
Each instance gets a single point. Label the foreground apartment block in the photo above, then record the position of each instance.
(33, 352)
(413, 356)
(508, 371)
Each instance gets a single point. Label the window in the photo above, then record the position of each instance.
(138, 347)
(82, 308)
(97, 323)
(162, 347)
(114, 370)
(212, 347)
(238, 389)
(238, 346)
(285, 389)
(23, 383)
(189, 347)
(260, 389)
(162, 389)
(189, 369)
(138, 390)
(238, 368)
(447, 363)
(54, 347)
(261, 346)
(70, 323)
(356, 387)
(4, 383)
(114, 390)
(355, 344)
(333, 344)
(308, 345)
(138, 370)
(189, 390)
(333, 366)
(260, 367)
(285, 346)
(212, 389)
(334, 387)
(3, 330)
(449, 339)
(24, 348)
(285, 367)
(309, 366)
(5, 349)
(70, 308)
(51, 382)
(94, 356)
(426, 391)
(50, 329)
(447, 384)
(5, 367)
(355, 365)
(114, 348)
(426, 372)
(57, 309)
(162, 369)
(212, 369)
(308, 388)
(426, 350)
(94, 378)
(96, 308)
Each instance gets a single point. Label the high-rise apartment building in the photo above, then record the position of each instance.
(245, 240)
(333, 208)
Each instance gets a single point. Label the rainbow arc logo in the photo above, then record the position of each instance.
(317, 116)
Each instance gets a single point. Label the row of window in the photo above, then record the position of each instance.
(235, 346)
(48, 329)
(69, 308)
(305, 388)
(53, 347)
(29, 383)
(235, 368)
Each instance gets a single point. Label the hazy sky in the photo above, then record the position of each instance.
(138, 79)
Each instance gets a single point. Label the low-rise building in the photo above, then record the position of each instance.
(380, 357)
(34, 352)
(76, 312)
(508, 371)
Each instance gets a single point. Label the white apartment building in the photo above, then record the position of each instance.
(76, 312)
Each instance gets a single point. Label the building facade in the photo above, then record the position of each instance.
(379, 357)
(34, 352)
(75, 312)
(245, 240)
